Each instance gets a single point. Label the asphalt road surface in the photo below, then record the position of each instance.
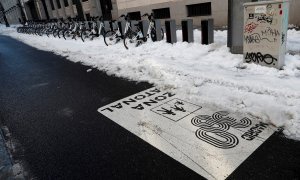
(49, 105)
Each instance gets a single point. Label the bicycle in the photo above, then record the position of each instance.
(96, 29)
(152, 29)
(74, 30)
(137, 38)
(114, 36)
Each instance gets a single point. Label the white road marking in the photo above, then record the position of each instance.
(212, 142)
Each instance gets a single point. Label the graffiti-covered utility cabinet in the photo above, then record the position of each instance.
(265, 32)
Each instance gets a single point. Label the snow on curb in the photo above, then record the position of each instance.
(202, 73)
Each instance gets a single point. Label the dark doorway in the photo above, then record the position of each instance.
(79, 8)
(33, 11)
(106, 7)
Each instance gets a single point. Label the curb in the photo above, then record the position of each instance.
(5, 160)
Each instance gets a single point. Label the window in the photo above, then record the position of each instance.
(74, 1)
(163, 13)
(66, 3)
(135, 15)
(58, 4)
(202, 9)
(52, 5)
(84, 0)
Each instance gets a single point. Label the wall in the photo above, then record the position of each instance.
(12, 11)
(294, 12)
(178, 9)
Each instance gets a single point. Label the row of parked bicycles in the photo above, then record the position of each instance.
(111, 31)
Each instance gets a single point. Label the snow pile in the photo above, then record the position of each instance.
(202, 73)
(293, 44)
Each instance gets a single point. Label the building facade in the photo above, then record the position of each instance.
(178, 9)
(112, 9)
(13, 11)
(294, 16)
(191, 9)
(48, 9)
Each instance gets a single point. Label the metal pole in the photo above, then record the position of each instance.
(207, 31)
(171, 31)
(187, 30)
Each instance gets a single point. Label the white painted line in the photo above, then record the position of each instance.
(210, 141)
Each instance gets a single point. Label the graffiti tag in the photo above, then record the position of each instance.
(256, 38)
(250, 27)
(263, 18)
(270, 32)
(259, 58)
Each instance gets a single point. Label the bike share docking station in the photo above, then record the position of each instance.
(207, 31)
(265, 32)
(107, 25)
(122, 25)
(157, 25)
(133, 24)
(143, 25)
(171, 31)
(187, 30)
(207, 28)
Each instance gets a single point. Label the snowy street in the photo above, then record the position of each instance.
(57, 98)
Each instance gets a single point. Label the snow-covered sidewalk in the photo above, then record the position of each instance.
(201, 73)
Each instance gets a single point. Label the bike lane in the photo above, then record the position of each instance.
(49, 105)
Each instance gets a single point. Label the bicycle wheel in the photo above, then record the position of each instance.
(102, 33)
(153, 34)
(85, 34)
(60, 33)
(48, 32)
(67, 34)
(54, 33)
(36, 32)
(40, 32)
(131, 41)
(111, 38)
